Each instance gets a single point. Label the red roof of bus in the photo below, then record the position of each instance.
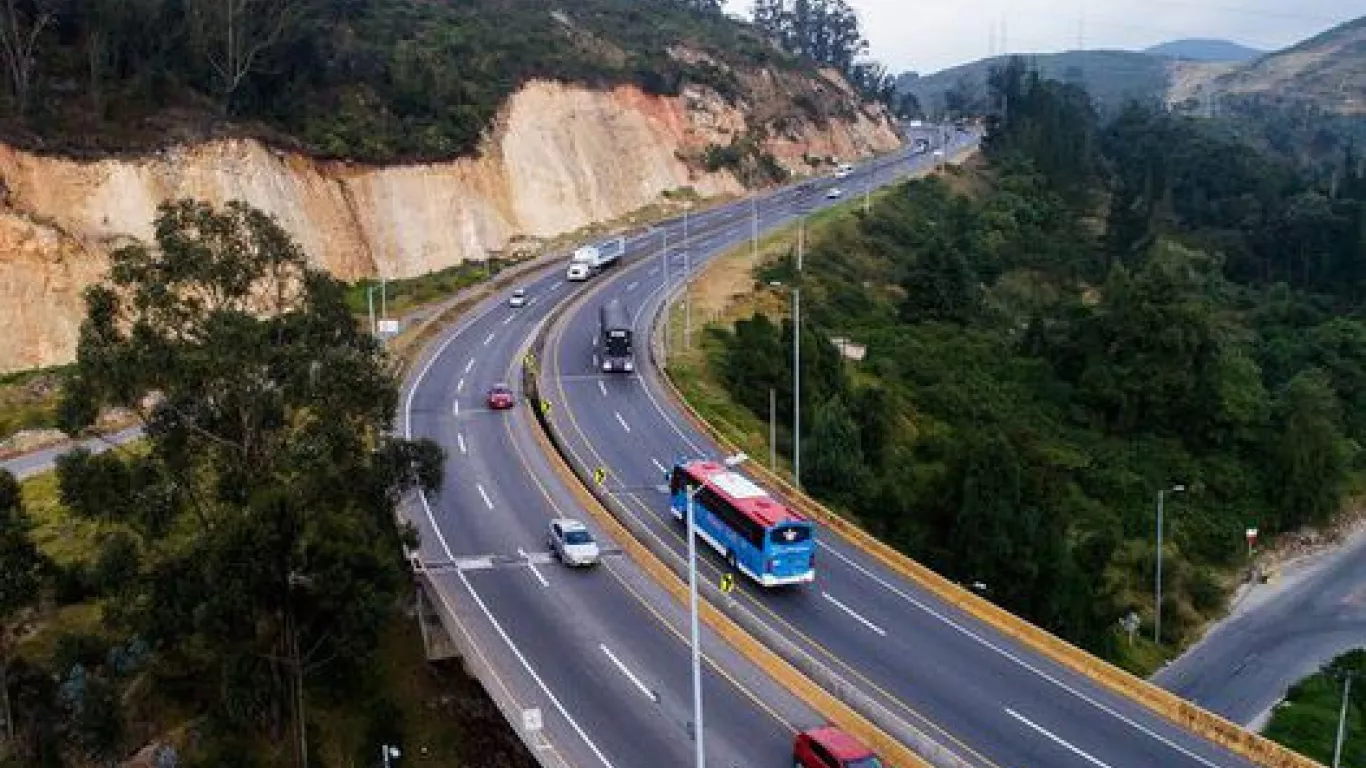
(763, 509)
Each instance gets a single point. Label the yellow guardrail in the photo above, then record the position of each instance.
(829, 707)
(1219, 730)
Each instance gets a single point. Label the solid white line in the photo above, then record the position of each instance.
(1019, 661)
(662, 468)
(455, 407)
(595, 361)
(460, 386)
(622, 422)
(602, 388)
(649, 694)
(469, 365)
(509, 319)
(556, 286)
(488, 340)
(1056, 739)
(446, 548)
(461, 440)
(882, 632)
(487, 503)
(532, 566)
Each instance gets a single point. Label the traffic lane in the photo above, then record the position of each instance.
(595, 645)
(871, 603)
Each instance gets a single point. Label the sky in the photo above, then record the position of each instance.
(925, 36)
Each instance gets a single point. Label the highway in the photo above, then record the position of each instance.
(1244, 666)
(995, 702)
(602, 652)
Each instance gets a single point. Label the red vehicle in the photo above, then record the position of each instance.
(501, 397)
(829, 747)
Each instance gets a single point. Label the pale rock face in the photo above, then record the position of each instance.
(561, 157)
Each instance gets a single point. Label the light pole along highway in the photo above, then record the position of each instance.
(601, 654)
(994, 700)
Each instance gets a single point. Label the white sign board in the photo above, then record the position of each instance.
(388, 327)
(531, 720)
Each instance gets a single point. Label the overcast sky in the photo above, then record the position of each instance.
(927, 36)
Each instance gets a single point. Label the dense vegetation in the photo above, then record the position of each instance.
(370, 79)
(1307, 721)
(251, 559)
(1122, 308)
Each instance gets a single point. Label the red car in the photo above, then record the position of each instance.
(500, 397)
(829, 747)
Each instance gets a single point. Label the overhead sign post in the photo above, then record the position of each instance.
(1251, 534)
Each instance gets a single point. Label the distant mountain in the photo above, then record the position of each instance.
(1201, 49)
(1111, 77)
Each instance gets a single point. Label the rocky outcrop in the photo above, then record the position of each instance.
(561, 157)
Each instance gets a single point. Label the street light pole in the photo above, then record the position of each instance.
(754, 226)
(370, 302)
(797, 359)
(1157, 604)
(668, 315)
(1342, 721)
(384, 298)
(698, 750)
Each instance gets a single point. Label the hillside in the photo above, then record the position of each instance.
(1111, 77)
(1202, 49)
(567, 119)
(1326, 72)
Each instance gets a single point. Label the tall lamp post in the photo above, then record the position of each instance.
(698, 750)
(1347, 675)
(388, 753)
(1157, 604)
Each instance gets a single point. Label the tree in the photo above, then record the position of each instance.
(234, 34)
(18, 581)
(21, 27)
(825, 31)
(267, 436)
(834, 454)
(1309, 455)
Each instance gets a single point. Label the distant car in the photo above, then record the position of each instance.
(834, 193)
(570, 541)
(844, 171)
(830, 747)
(518, 298)
(501, 397)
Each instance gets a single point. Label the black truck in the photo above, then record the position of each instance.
(614, 333)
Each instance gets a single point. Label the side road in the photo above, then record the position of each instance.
(1277, 634)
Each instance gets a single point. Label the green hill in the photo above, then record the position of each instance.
(368, 79)
(1200, 49)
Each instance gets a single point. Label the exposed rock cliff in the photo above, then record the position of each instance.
(562, 157)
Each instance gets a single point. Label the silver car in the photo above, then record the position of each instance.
(570, 541)
(518, 298)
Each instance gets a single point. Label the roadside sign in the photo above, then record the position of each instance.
(545, 407)
(599, 475)
(388, 327)
(727, 583)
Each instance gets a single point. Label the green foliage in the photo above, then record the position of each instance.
(261, 551)
(1033, 378)
(378, 80)
(19, 584)
(1307, 721)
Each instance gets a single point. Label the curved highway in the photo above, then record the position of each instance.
(601, 652)
(994, 702)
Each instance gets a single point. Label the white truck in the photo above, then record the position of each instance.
(592, 259)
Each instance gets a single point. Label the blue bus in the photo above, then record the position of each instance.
(758, 536)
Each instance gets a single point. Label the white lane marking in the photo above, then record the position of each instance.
(488, 340)
(595, 361)
(1019, 661)
(662, 468)
(455, 407)
(509, 319)
(631, 286)
(622, 421)
(474, 563)
(485, 495)
(461, 439)
(881, 632)
(556, 286)
(1056, 739)
(446, 548)
(532, 566)
(469, 365)
(460, 386)
(602, 388)
(649, 694)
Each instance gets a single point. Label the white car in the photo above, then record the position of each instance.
(570, 541)
(518, 298)
(834, 193)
